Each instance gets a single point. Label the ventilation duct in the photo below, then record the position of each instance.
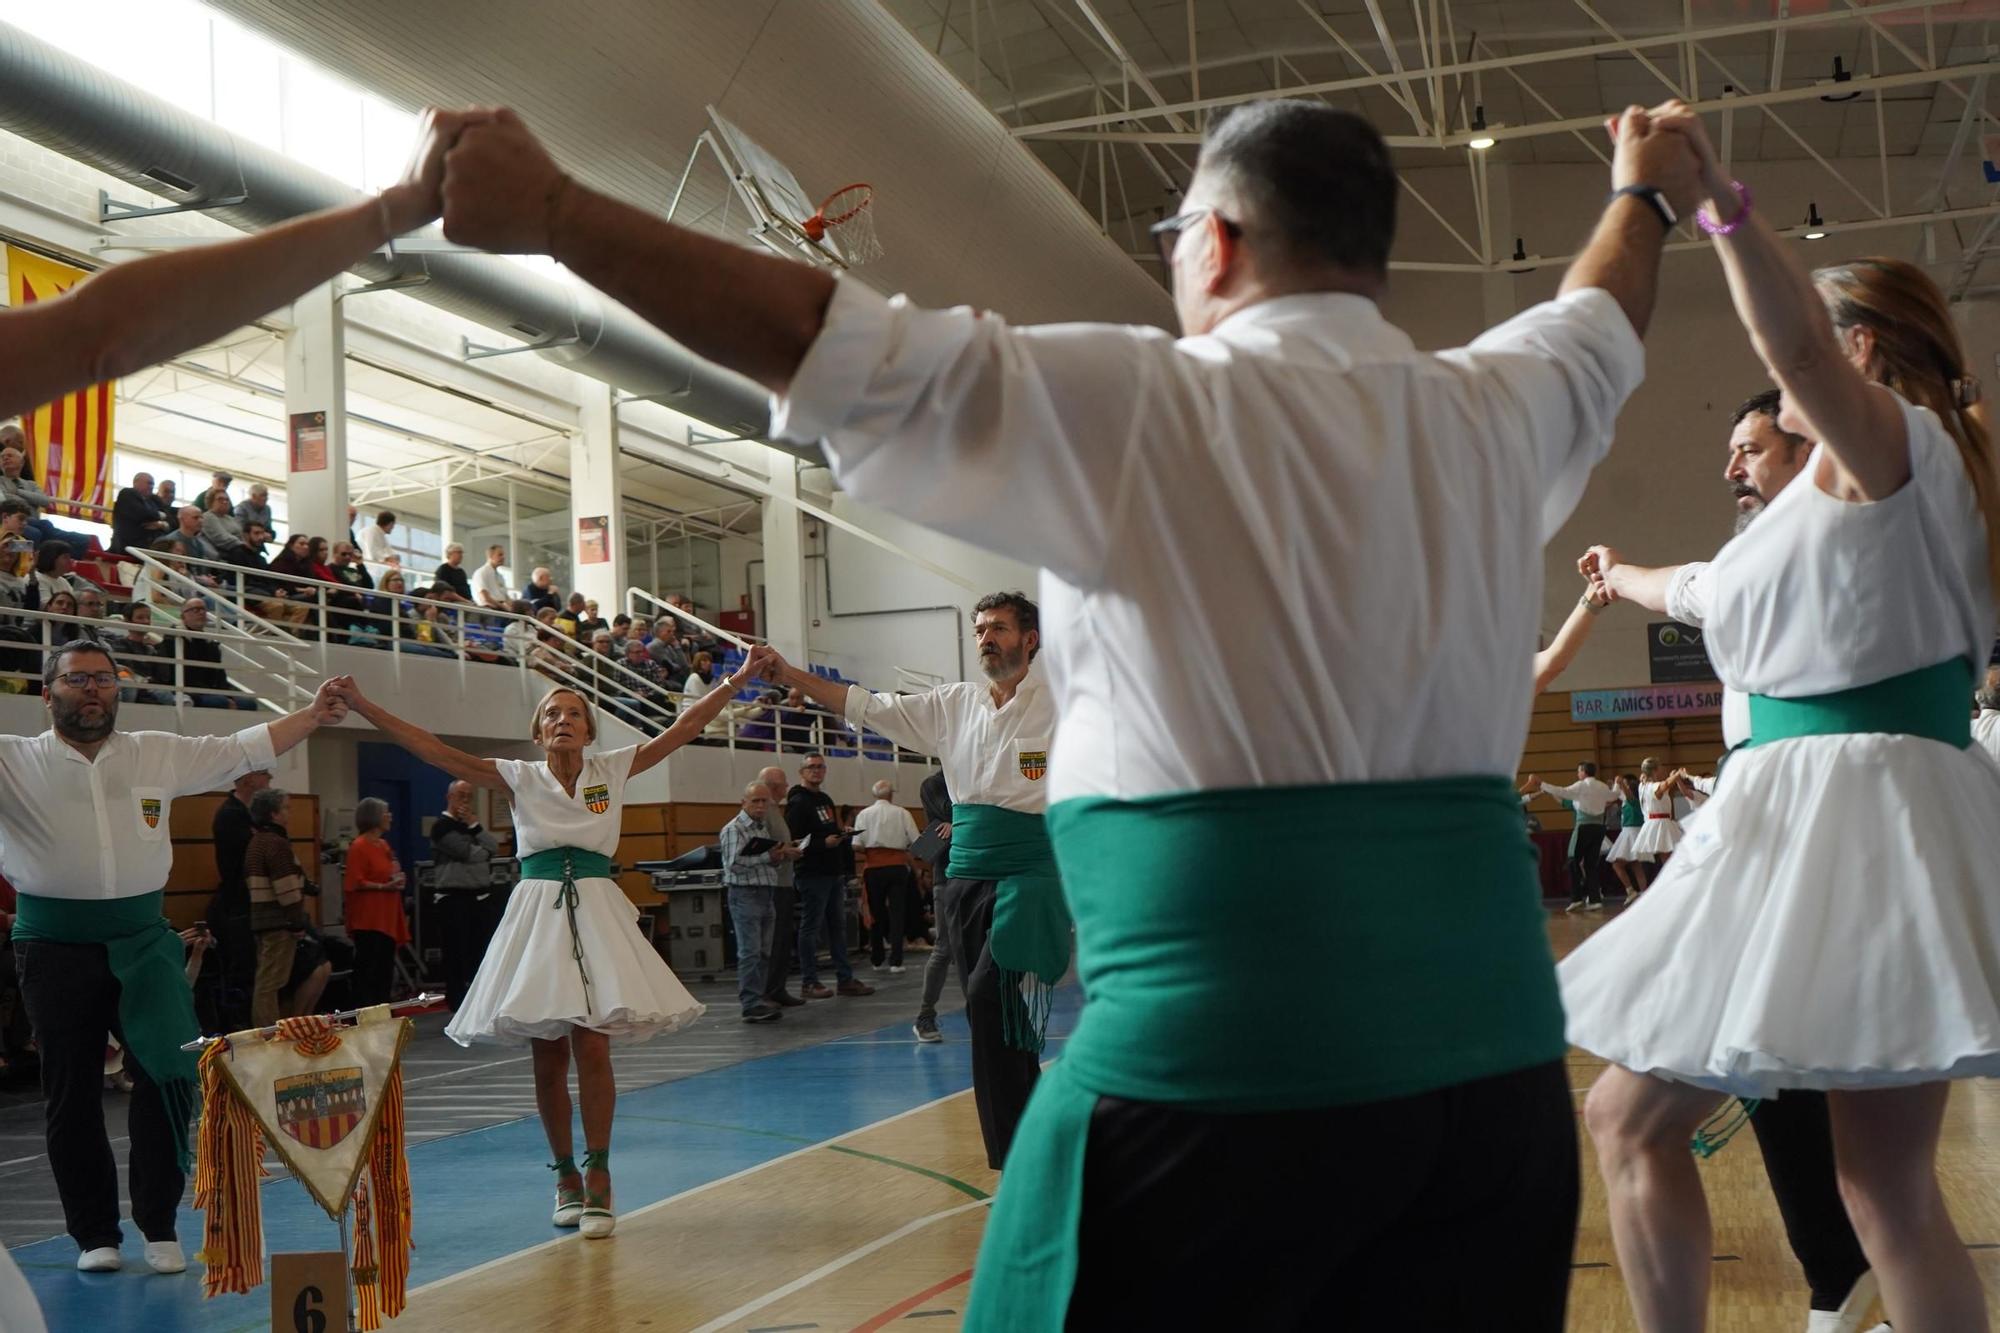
(53, 99)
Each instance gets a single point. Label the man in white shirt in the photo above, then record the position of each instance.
(1375, 515)
(89, 855)
(1986, 726)
(1008, 924)
(1794, 1132)
(1590, 801)
(375, 548)
(883, 834)
(488, 588)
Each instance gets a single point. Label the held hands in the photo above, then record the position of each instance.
(329, 704)
(1596, 566)
(763, 663)
(1674, 117)
(502, 190)
(418, 197)
(1645, 153)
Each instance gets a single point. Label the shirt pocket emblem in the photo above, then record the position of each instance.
(149, 810)
(152, 806)
(597, 798)
(1034, 763)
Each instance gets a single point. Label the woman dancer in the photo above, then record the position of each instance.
(1624, 852)
(568, 970)
(1828, 922)
(1661, 832)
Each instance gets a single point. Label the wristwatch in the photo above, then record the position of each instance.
(1589, 605)
(1653, 199)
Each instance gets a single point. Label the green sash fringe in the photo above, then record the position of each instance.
(567, 865)
(155, 1002)
(1031, 925)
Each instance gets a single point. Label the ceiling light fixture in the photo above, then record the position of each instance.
(1480, 140)
(1523, 261)
(1815, 225)
(1841, 74)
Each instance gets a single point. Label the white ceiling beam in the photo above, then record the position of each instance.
(1763, 100)
(1523, 59)
(1131, 66)
(1398, 77)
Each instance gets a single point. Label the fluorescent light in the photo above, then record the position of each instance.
(1481, 141)
(1815, 225)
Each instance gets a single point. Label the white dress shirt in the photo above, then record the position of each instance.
(75, 828)
(990, 756)
(375, 548)
(486, 582)
(1986, 731)
(1371, 517)
(885, 824)
(1589, 796)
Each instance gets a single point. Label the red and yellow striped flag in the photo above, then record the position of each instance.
(69, 440)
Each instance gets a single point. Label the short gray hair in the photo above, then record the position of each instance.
(1987, 696)
(52, 665)
(884, 789)
(368, 813)
(264, 806)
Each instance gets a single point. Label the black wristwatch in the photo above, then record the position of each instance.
(1653, 199)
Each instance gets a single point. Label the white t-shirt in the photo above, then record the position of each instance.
(1370, 515)
(546, 816)
(486, 582)
(375, 548)
(885, 824)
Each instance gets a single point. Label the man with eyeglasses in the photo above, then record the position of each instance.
(90, 854)
(1374, 517)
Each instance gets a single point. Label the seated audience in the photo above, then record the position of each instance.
(201, 675)
(135, 519)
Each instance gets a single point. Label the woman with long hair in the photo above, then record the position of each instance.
(568, 971)
(1828, 922)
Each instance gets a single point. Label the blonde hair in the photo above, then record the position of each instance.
(1918, 354)
(589, 714)
(1648, 766)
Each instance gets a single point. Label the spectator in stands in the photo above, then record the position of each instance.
(375, 548)
(276, 887)
(573, 612)
(296, 559)
(518, 639)
(230, 831)
(137, 653)
(588, 622)
(451, 574)
(202, 677)
(90, 604)
(621, 634)
(701, 677)
(204, 499)
(54, 566)
(822, 886)
(652, 693)
(883, 834)
(469, 907)
(135, 519)
(17, 548)
(752, 867)
(219, 525)
(541, 590)
(374, 894)
(16, 485)
(151, 589)
(489, 589)
(354, 576)
(270, 598)
(599, 661)
(800, 718)
(164, 501)
(667, 650)
(62, 603)
(256, 509)
(193, 542)
(758, 727)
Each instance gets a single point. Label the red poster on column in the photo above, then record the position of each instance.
(593, 546)
(308, 441)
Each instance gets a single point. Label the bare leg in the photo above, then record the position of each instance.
(1624, 880)
(1642, 873)
(1641, 1127)
(552, 1101)
(305, 996)
(597, 1087)
(1885, 1145)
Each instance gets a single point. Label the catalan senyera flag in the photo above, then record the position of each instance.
(69, 440)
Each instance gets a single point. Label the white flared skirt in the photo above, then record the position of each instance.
(1657, 837)
(1627, 847)
(530, 986)
(1831, 920)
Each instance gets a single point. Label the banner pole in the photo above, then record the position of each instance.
(347, 1271)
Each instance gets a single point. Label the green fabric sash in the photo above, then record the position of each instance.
(1422, 902)
(567, 865)
(155, 1002)
(1930, 702)
(1630, 815)
(1031, 926)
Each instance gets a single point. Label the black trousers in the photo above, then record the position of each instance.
(784, 937)
(891, 891)
(236, 954)
(374, 967)
(1585, 866)
(72, 1000)
(466, 920)
(1444, 1212)
(1795, 1134)
(1002, 1077)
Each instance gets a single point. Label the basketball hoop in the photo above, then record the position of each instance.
(848, 216)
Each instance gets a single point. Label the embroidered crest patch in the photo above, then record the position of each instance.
(149, 810)
(322, 1107)
(598, 798)
(1034, 763)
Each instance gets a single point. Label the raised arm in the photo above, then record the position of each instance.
(1623, 254)
(466, 767)
(762, 663)
(1553, 660)
(1628, 582)
(1861, 426)
(328, 707)
(134, 314)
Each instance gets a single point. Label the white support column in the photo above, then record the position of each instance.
(597, 560)
(447, 519)
(784, 564)
(316, 410)
(513, 560)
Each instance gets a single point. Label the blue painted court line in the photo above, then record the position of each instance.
(485, 1194)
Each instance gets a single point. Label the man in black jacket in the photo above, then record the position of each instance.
(229, 909)
(469, 907)
(451, 574)
(937, 815)
(822, 885)
(135, 519)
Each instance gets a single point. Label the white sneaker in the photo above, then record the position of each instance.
(164, 1256)
(103, 1259)
(896, 969)
(1847, 1319)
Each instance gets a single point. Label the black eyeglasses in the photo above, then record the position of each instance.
(1166, 233)
(78, 680)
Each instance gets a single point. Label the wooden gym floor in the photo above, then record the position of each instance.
(841, 1186)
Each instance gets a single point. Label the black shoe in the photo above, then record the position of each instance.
(762, 1013)
(784, 998)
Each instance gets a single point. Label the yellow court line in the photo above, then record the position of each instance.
(575, 1239)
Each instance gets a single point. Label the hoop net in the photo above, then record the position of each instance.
(848, 216)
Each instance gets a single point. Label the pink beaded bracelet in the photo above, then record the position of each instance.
(1714, 228)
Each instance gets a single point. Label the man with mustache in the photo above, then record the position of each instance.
(90, 854)
(1001, 895)
(1794, 1131)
